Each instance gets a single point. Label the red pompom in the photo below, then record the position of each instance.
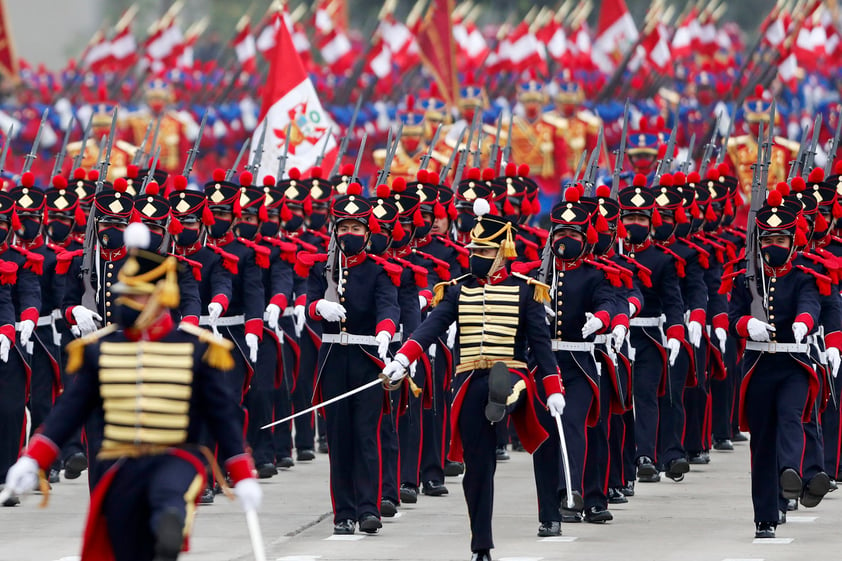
(571, 195)
(383, 191)
(262, 213)
(59, 182)
(488, 174)
(816, 176)
(152, 188)
(693, 177)
(79, 174)
(678, 178)
(120, 184)
(603, 191)
(417, 218)
(219, 175)
(316, 172)
(621, 230)
(179, 182)
(511, 169)
(175, 227)
(724, 169)
(355, 189)
(601, 223)
(397, 231)
(237, 208)
(729, 208)
(508, 209)
(132, 171)
(246, 178)
(207, 216)
(347, 169)
(667, 180)
(523, 170)
(800, 237)
(680, 216)
(308, 206)
(269, 181)
(710, 214)
(27, 179)
(837, 168)
(660, 123)
(294, 173)
(399, 185)
(79, 216)
(592, 235)
(286, 213)
(656, 218)
(775, 198)
(473, 174)
(713, 175)
(639, 180)
(438, 211)
(374, 225)
(783, 189)
(16, 225)
(758, 90)
(93, 175)
(798, 184)
(421, 176)
(821, 222)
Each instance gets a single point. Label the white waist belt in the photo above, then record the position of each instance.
(645, 322)
(224, 321)
(44, 321)
(571, 346)
(289, 312)
(777, 347)
(601, 340)
(345, 338)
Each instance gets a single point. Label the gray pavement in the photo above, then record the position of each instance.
(705, 518)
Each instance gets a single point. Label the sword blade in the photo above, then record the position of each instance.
(325, 403)
(565, 461)
(256, 536)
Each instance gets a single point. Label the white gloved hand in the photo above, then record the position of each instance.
(833, 360)
(632, 310)
(422, 301)
(383, 339)
(5, 347)
(22, 477)
(396, 369)
(694, 333)
(555, 403)
(27, 326)
(674, 346)
(85, 319)
(250, 494)
(252, 343)
(214, 311)
(618, 335)
(273, 313)
(451, 335)
(330, 311)
(300, 319)
(592, 325)
(722, 335)
(799, 331)
(759, 330)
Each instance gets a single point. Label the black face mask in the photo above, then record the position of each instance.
(351, 244)
(408, 234)
(379, 243)
(269, 229)
(775, 255)
(710, 226)
(637, 233)
(604, 243)
(294, 223)
(663, 232)
(247, 231)
(59, 231)
(683, 230)
(31, 227)
(111, 237)
(421, 232)
(465, 222)
(568, 248)
(481, 266)
(126, 316)
(187, 237)
(156, 240)
(219, 228)
(318, 220)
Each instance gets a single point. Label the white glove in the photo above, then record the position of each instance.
(383, 339)
(85, 319)
(694, 333)
(249, 493)
(722, 335)
(300, 318)
(22, 477)
(674, 346)
(396, 369)
(422, 301)
(833, 360)
(592, 325)
(759, 330)
(618, 335)
(451, 335)
(214, 311)
(27, 326)
(273, 313)
(252, 343)
(5, 347)
(555, 403)
(330, 311)
(632, 310)
(799, 331)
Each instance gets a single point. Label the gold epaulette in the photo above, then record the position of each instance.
(739, 140)
(589, 118)
(542, 291)
(438, 290)
(218, 354)
(379, 156)
(790, 145)
(554, 119)
(76, 349)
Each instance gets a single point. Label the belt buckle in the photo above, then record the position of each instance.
(773, 347)
(343, 338)
(483, 364)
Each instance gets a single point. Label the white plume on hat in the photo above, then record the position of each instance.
(481, 207)
(137, 235)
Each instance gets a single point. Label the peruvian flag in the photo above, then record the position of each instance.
(97, 53)
(687, 35)
(123, 48)
(289, 97)
(616, 34)
(8, 60)
(244, 46)
(333, 43)
(473, 49)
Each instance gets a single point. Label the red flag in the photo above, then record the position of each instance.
(437, 48)
(8, 58)
(616, 33)
(289, 97)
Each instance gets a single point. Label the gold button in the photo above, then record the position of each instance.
(108, 293)
(108, 285)
(108, 314)
(561, 274)
(110, 265)
(773, 279)
(560, 283)
(559, 322)
(108, 275)
(772, 289)
(108, 304)
(342, 299)
(345, 273)
(771, 317)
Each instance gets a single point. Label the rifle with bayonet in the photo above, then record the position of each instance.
(758, 196)
(495, 148)
(709, 147)
(77, 161)
(343, 144)
(810, 155)
(460, 168)
(62, 153)
(257, 153)
(425, 159)
(229, 173)
(360, 157)
(282, 159)
(8, 141)
(834, 144)
(193, 153)
(794, 164)
(33, 153)
(391, 149)
(446, 170)
(589, 178)
(150, 174)
(478, 151)
(155, 135)
(720, 157)
(620, 154)
(320, 158)
(685, 165)
(507, 150)
(666, 161)
(141, 150)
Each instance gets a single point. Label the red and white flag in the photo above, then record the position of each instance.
(97, 53)
(616, 34)
(473, 48)
(333, 42)
(289, 97)
(244, 46)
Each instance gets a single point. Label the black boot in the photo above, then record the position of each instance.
(169, 536)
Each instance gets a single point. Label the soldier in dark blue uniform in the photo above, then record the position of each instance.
(498, 317)
(143, 507)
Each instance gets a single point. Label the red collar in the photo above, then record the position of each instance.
(223, 241)
(353, 260)
(154, 332)
(186, 251)
(113, 254)
(32, 244)
(779, 272)
(463, 238)
(423, 242)
(400, 252)
(822, 242)
(65, 244)
(638, 247)
(568, 265)
(496, 278)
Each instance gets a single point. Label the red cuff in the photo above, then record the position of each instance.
(620, 319)
(411, 350)
(742, 326)
(311, 311)
(833, 340)
(675, 332)
(386, 325)
(68, 315)
(807, 319)
(29, 314)
(9, 331)
(222, 300)
(301, 300)
(603, 316)
(240, 467)
(552, 384)
(42, 450)
(192, 320)
(255, 327)
(280, 300)
(699, 315)
(720, 321)
(637, 306)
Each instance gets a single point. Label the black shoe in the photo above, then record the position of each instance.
(706, 456)
(322, 447)
(75, 465)
(723, 445)
(833, 486)
(388, 508)
(616, 496)
(790, 484)
(207, 496)
(453, 469)
(483, 555)
(765, 530)
(791, 505)
(370, 524)
(54, 476)
(344, 527)
(598, 515)
(739, 437)
(571, 516)
(548, 529)
(578, 501)
(434, 489)
(518, 447)
(677, 468)
(306, 455)
(284, 463)
(11, 501)
(499, 388)
(698, 459)
(502, 454)
(628, 490)
(409, 494)
(265, 471)
(815, 490)
(781, 517)
(646, 470)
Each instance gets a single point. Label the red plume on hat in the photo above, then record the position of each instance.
(656, 218)
(175, 227)
(398, 232)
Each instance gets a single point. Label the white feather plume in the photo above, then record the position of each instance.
(481, 207)
(137, 235)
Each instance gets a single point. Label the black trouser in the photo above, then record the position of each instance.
(12, 409)
(260, 402)
(433, 419)
(302, 395)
